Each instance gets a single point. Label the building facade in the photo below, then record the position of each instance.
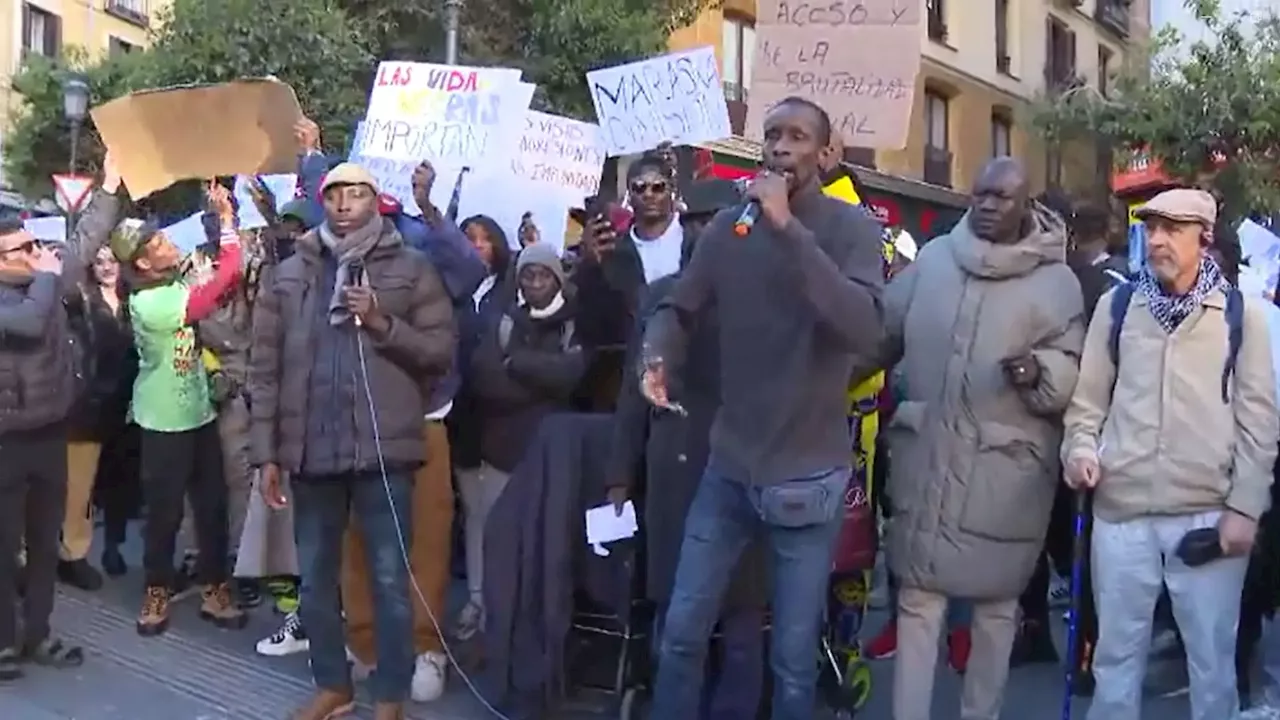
(984, 63)
(49, 27)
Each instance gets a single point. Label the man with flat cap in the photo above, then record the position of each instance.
(349, 339)
(1173, 427)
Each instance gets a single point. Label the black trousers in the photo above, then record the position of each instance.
(174, 465)
(117, 487)
(33, 498)
(1057, 550)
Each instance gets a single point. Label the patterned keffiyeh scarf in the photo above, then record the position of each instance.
(1170, 310)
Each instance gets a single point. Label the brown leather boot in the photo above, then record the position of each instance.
(326, 705)
(154, 617)
(388, 711)
(217, 607)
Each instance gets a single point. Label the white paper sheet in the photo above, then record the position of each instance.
(605, 525)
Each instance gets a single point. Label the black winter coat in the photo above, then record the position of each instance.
(662, 456)
(107, 359)
(522, 370)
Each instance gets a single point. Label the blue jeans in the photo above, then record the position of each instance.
(725, 515)
(322, 507)
(734, 691)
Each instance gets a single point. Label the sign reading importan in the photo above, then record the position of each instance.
(857, 60)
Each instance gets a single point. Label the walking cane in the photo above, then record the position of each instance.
(1078, 550)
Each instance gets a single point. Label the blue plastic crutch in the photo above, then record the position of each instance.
(1078, 550)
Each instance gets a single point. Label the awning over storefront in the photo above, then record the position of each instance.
(924, 209)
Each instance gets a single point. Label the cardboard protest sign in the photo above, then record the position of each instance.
(676, 97)
(858, 61)
(282, 186)
(563, 156)
(452, 116)
(159, 137)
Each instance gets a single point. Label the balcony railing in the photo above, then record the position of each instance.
(937, 166)
(1114, 16)
(135, 12)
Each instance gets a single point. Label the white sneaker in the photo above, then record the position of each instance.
(428, 677)
(359, 671)
(289, 639)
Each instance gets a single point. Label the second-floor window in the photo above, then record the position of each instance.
(937, 19)
(1104, 70)
(737, 52)
(134, 11)
(936, 121)
(41, 31)
(1001, 135)
(1060, 53)
(1002, 36)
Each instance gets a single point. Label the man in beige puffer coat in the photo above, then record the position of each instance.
(986, 329)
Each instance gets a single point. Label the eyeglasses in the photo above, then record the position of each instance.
(657, 187)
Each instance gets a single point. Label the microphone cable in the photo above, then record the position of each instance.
(404, 546)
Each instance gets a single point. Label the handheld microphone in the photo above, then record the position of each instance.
(747, 220)
(355, 278)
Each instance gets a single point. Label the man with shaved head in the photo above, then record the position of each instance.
(985, 329)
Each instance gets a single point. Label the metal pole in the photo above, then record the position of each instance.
(73, 213)
(452, 10)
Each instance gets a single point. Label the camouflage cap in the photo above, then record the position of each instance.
(129, 237)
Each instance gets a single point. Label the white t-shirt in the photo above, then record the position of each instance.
(660, 256)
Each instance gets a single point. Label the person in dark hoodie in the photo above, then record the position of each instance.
(672, 449)
(525, 366)
(797, 302)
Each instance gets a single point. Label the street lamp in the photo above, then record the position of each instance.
(75, 106)
(452, 13)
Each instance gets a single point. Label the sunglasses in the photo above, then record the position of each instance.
(657, 187)
(25, 247)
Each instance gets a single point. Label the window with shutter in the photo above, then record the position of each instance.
(41, 31)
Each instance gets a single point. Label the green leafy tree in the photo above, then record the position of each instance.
(1208, 110)
(308, 44)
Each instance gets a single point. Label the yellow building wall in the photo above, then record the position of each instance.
(84, 23)
(963, 68)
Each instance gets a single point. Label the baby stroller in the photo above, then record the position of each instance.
(845, 679)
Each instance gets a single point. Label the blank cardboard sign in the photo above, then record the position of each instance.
(857, 60)
(158, 137)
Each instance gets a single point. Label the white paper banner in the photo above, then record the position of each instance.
(676, 97)
(283, 186)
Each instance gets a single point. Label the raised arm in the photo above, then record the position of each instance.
(93, 228)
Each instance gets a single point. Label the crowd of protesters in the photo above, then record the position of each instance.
(292, 412)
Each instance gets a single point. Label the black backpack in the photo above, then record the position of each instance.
(1235, 331)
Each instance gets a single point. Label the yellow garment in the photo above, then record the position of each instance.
(863, 399)
(211, 362)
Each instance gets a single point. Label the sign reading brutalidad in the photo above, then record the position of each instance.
(857, 60)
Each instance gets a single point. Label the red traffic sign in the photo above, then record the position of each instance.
(71, 191)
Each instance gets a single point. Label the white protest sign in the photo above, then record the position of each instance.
(506, 201)
(452, 116)
(283, 187)
(52, 228)
(676, 97)
(187, 234)
(1261, 248)
(395, 176)
(563, 155)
